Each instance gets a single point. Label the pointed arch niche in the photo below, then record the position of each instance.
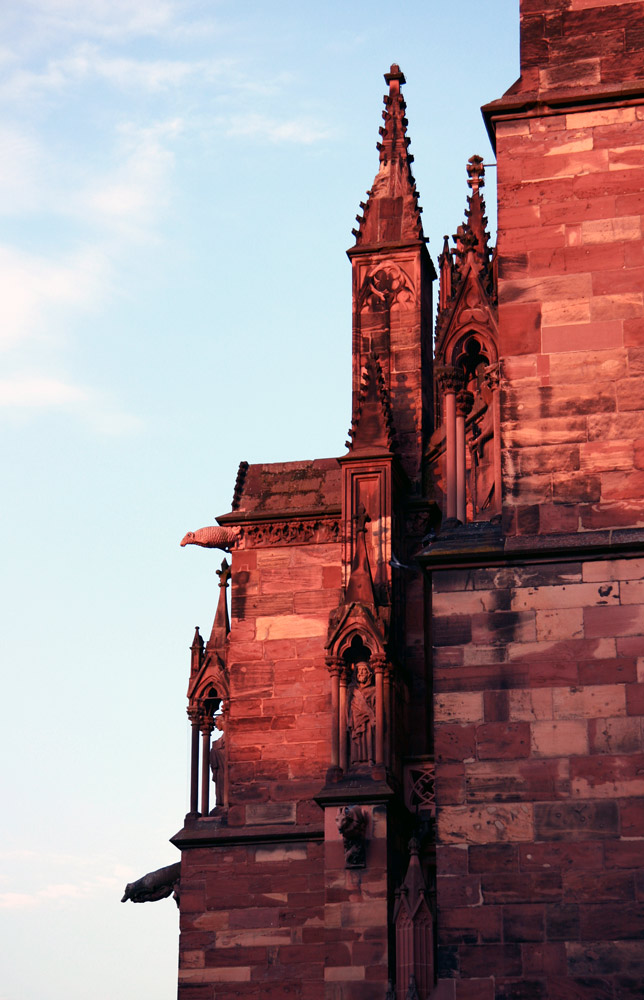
(464, 455)
(360, 690)
(208, 695)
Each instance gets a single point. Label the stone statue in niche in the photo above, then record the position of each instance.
(218, 759)
(361, 714)
(352, 824)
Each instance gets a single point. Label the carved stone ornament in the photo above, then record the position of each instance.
(449, 379)
(155, 885)
(384, 287)
(492, 375)
(300, 532)
(218, 759)
(420, 795)
(352, 824)
(212, 537)
(464, 403)
(361, 715)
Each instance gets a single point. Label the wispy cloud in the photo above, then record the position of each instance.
(108, 19)
(87, 63)
(33, 287)
(40, 391)
(28, 395)
(130, 197)
(59, 893)
(297, 130)
(67, 879)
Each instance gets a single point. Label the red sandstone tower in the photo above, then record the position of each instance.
(431, 684)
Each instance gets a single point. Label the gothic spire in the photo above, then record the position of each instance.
(391, 213)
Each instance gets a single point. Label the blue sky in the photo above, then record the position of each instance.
(178, 185)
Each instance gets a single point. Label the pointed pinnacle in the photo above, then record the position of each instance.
(394, 179)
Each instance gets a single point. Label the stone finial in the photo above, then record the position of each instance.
(475, 172)
(394, 77)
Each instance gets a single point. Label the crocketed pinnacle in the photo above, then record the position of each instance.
(472, 235)
(391, 213)
(372, 425)
(221, 624)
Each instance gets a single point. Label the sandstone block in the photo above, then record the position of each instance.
(525, 887)
(604, 327)
(625, 853)
(493, 858)
(606, 456)
(607, 777)
(615, 735)
(459, 707)
(614, 569)
(577, 595)
(503, 740)
(576, 821)
(562, 922)
(527, 705)
(559, 739)
(613, 621)
(564, 623)
(547, 958)
(582, 856)
(517, 780)
(458, 890)
(490, 960)
(523, 922)
(606, 958)
(635, 699)
(468, 924)
(598, 701)
(611, 230)
(455, 742)
(595, 119)
(485, 824)
(220, 974)
(610, 922)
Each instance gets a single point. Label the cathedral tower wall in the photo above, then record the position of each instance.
(538, 626)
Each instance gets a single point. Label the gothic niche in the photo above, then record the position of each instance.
(207, 700)
(208, 716)
(479, 429)
(218, 755)
(361, 705)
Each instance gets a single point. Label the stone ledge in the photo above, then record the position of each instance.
(472, 546)
(210, 831)
(532, 103)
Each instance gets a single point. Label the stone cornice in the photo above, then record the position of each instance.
(480, 545)
(210, 831)
(531, 104)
